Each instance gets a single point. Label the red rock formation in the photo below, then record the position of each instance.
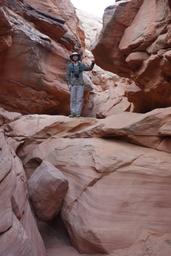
(135, 42)
(33, 55)
(109, 90)
(63, 9)
(116, 191)
(114, 186)
(118, 169)
(5, 32)
(18, 230)
(36, 82)
(110, 101)
(47, 189)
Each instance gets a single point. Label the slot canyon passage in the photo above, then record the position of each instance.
(99, 184)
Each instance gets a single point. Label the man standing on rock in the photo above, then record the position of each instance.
(76, 84)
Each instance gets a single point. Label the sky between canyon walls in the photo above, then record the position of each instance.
(95, 7)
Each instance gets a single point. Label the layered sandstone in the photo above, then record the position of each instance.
(135, 42)
(109, 90)
(116, 187)
(112, 100)
(108, 179)
(35, 39)
(40, 36)
(18, 229)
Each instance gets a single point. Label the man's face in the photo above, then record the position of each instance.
(75, 58)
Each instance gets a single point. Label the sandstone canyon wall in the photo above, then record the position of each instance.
(87, 186)
(36, 37)
(109, 95)
(19, 234)
(135, 42)
(36, 40)
(112, 175)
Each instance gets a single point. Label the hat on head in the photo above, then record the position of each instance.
(74, 54)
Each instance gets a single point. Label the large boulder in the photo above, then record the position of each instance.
(47, 190)
(135, 42)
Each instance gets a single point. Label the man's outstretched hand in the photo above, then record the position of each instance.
(92, 64)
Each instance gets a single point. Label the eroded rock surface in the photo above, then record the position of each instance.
(35, 39)
(115, 199)
(108, 179)
(47, 189)
(19, 234)
(135, 42)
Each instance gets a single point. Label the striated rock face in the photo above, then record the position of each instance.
(109, 95)
(135, 42)
(110, 101)
(18, 230)
(5, 32)
(118, 197)
(34, 44)
(65, 10)
(121, 15)
(150, 130)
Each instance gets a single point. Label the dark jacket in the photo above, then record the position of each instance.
(75, 72)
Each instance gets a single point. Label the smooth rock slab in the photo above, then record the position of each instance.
(116, 191)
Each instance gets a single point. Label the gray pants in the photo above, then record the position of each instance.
(76, 101)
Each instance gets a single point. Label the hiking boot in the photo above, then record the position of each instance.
(72, 115)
